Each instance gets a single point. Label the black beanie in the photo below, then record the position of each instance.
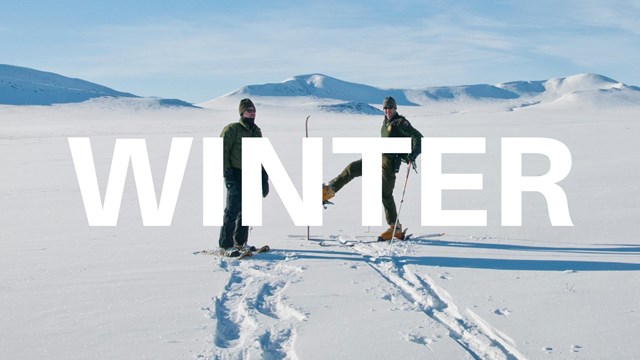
(389, 102)
(244, 105)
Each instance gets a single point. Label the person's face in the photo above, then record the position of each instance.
(389, 111)
(249, 113)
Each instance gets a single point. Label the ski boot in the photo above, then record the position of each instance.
(245, 247)
(389, 234)
(327, 193)
(238, 251)
(230, 252)
(248, 251)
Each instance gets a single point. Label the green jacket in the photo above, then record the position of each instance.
(399, 126)
(232, 135)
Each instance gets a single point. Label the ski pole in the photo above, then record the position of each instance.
(306, 133)
(404, 190)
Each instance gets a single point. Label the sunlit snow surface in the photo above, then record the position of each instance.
(70, 291)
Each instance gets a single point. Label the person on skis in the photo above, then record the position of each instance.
(233, 235)
(394, 125)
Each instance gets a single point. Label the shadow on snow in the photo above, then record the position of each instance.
(503, 263)
(618, 249)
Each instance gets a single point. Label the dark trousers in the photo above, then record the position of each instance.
(232, 232)
(390, 165)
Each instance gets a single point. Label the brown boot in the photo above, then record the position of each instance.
(387, 234)
(327, 193)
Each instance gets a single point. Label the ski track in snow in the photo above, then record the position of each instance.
(474, 334)
(252, 317)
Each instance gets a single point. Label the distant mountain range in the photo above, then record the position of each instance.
(25, 86)
(336, 95)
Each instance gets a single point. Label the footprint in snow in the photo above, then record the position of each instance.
(418, 339)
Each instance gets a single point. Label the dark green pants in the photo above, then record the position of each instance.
(232, 231)
(389, 169)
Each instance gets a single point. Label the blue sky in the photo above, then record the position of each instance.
(197, 50)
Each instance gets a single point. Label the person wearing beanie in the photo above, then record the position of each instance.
(233, 235)
(393, 125)
(389, 103)
(246, 104)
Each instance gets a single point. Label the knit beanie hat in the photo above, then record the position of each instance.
(389, 102)
(244, 105)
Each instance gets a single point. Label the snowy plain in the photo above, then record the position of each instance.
(70, 291)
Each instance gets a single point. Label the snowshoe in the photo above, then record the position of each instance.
(249, 251)
(231, 252)
(246, 253)
(236, 251)
(263, 249)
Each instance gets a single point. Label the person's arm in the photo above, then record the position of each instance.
(408, 130)
(228, 136)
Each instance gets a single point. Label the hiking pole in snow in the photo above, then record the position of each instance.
(306, 134)
(404, 190)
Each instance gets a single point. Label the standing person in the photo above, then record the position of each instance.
(234, 235)
(394, 125)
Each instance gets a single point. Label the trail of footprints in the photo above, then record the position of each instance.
(252, 317)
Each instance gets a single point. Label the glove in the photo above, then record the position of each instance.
(413, 164)
(229, 178)
(265, 183)
(411, 161)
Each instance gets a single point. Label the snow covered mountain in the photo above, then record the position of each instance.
(332, 94)
(324, 87)
(25, 86)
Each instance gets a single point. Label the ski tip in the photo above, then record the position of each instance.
(327, 202)
(433, 235)
(209, 252)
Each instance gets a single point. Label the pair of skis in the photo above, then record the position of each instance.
(352, 240)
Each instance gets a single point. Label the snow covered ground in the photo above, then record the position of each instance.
(70, 291)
